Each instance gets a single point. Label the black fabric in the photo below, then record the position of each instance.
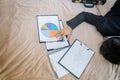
(90, 18)
(108, 25)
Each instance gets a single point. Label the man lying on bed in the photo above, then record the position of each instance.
(108, 25)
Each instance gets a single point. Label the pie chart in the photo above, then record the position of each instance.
(49, 30)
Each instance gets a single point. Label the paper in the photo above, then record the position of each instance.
(54, 58)
(76, 58)
(59, 44)
(48, 28)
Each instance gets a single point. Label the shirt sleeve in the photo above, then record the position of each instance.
(74, 22)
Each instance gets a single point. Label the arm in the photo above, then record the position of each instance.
(67, 31)
(74, 22)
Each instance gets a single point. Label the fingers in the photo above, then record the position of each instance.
(64, 32)
(60, 34)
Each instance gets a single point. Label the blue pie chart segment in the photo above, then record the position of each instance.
(46, 33)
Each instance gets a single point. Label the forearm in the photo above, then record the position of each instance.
(90, 18)
(74, 22)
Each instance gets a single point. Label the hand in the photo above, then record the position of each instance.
(66, 31)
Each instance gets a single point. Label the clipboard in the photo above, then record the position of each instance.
(48, 27)
(76, 58)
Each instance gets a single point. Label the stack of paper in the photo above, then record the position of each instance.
(54, 58)
(64, 58)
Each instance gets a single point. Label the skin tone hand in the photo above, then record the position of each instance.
(66, 31)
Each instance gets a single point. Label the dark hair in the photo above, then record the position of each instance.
(110, 49)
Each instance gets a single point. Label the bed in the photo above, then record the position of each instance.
(22, 57)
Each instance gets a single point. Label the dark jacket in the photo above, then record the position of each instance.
(108, 25)
(112, 26)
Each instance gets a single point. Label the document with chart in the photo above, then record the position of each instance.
(48, 27)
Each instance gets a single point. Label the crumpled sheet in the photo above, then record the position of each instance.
(22, 57)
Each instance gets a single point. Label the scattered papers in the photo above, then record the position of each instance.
(64, 58)
(48, 27)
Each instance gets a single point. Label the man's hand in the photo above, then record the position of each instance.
(66, 31)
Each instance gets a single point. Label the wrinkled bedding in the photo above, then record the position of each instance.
(22, 57)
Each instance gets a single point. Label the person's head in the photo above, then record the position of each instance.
(110, 49)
